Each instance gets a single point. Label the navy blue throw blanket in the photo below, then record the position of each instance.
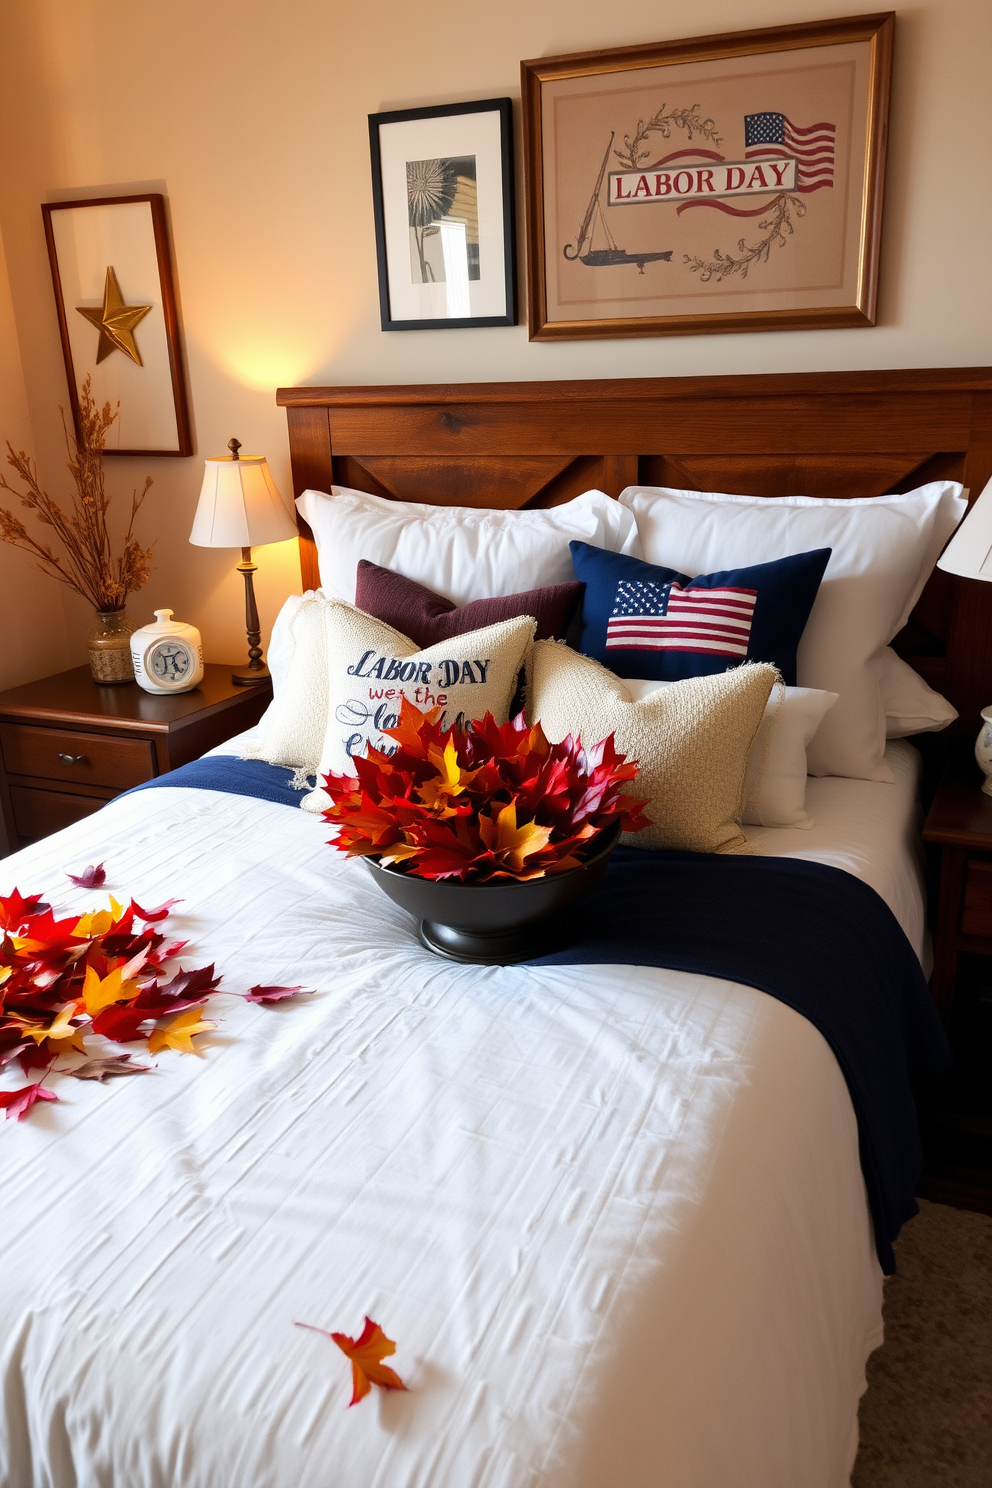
(815, 937)
(235, 777)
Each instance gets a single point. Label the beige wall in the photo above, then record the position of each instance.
(32, 623)
(251, 116)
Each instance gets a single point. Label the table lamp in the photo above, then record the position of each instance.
(969, 555)
(240, 507)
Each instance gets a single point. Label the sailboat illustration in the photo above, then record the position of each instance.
(601, 258)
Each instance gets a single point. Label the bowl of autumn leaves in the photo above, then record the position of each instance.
(484, 832)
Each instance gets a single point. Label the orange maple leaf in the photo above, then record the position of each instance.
(366, 1354)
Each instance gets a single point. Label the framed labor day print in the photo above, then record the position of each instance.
(726, 183)
(116, 303)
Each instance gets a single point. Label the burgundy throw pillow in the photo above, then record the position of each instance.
(427, 617)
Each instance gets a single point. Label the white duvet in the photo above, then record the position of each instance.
(612, 1217)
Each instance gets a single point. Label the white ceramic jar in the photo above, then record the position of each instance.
(983, 750)
(167, 656)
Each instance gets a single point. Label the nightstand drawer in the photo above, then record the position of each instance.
(38, 813)
(976, 916)
(83, 759)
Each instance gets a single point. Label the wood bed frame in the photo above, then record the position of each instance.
(535, 444)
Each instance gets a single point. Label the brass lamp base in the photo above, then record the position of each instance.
(245, 677)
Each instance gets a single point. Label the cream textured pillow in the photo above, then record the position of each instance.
(692, 740)
(371, 666)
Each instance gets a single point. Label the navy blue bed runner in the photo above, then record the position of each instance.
(814, 937)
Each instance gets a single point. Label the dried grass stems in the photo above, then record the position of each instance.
(88, 564)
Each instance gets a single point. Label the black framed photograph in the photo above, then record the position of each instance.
(442, 188)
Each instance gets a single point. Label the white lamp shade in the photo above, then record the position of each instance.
(969, 552)
(240, 506)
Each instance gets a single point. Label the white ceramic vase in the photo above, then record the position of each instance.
(983, 749)
(167, 656)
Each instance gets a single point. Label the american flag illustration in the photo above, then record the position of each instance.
(665, 617)
(813, 147)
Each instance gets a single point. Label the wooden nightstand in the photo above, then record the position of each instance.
(960, 821)
(67, 745)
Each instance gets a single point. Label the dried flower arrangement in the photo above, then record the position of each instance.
(87, 564)
(480, 801)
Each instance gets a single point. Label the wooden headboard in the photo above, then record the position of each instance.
(536, 444)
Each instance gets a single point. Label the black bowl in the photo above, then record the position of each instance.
(497, 923)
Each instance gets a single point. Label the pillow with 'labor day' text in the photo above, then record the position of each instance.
(371, 666)
(641, 620)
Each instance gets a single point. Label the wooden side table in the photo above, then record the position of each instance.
(960, 821)
(68, 745)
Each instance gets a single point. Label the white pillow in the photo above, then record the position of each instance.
(464, 553)
(775, 782)
(291, 730)
(910, 705)
(883, 550)
(371, 666)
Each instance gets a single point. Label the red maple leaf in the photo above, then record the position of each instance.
(271, 995)
(93, 877)
(19, 1102)
(152, 916)
(121, 1024)
(366, 1354)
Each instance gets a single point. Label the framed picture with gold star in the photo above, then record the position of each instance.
(116, 304)
(442, 192)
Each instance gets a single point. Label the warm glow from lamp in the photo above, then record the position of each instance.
(240, 507)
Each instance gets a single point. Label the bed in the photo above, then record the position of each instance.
(613, 1216)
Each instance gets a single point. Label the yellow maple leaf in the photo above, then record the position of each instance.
(99, 994)
(60, 1027)
(513, 845)
(178, 1032)
(99, 921)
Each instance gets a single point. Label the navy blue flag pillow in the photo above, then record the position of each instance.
(644, 621)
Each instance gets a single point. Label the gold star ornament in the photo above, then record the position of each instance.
(115, 321)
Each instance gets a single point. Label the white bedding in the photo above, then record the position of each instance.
(613, 1217)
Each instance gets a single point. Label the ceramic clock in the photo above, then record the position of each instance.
(167, 656)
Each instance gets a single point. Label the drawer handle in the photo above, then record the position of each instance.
(73, 759)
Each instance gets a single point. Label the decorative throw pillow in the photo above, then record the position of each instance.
(775, 782)
(292, 728)
(883, 551)
(427, 617)
(645, 621)
(463, 552)
(691, 740)
(370, 666)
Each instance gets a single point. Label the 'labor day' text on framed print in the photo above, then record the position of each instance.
(727, 183)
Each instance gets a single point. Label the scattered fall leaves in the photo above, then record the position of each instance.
(480, 801)
(101, 972)
(366, 1354)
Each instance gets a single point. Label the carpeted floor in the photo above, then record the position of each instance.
(926, 1420)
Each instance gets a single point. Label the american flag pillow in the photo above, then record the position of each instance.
(641, 620)
(666, 617)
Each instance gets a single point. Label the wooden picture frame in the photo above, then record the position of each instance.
(452, 167)
(799, 110)
(108, 252)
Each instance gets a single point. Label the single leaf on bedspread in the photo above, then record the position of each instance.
(366, 1354)
(178, 1033)
(108, 1067)
(19, 1102)
(268, 996)
(93, 877)
(152, 916)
